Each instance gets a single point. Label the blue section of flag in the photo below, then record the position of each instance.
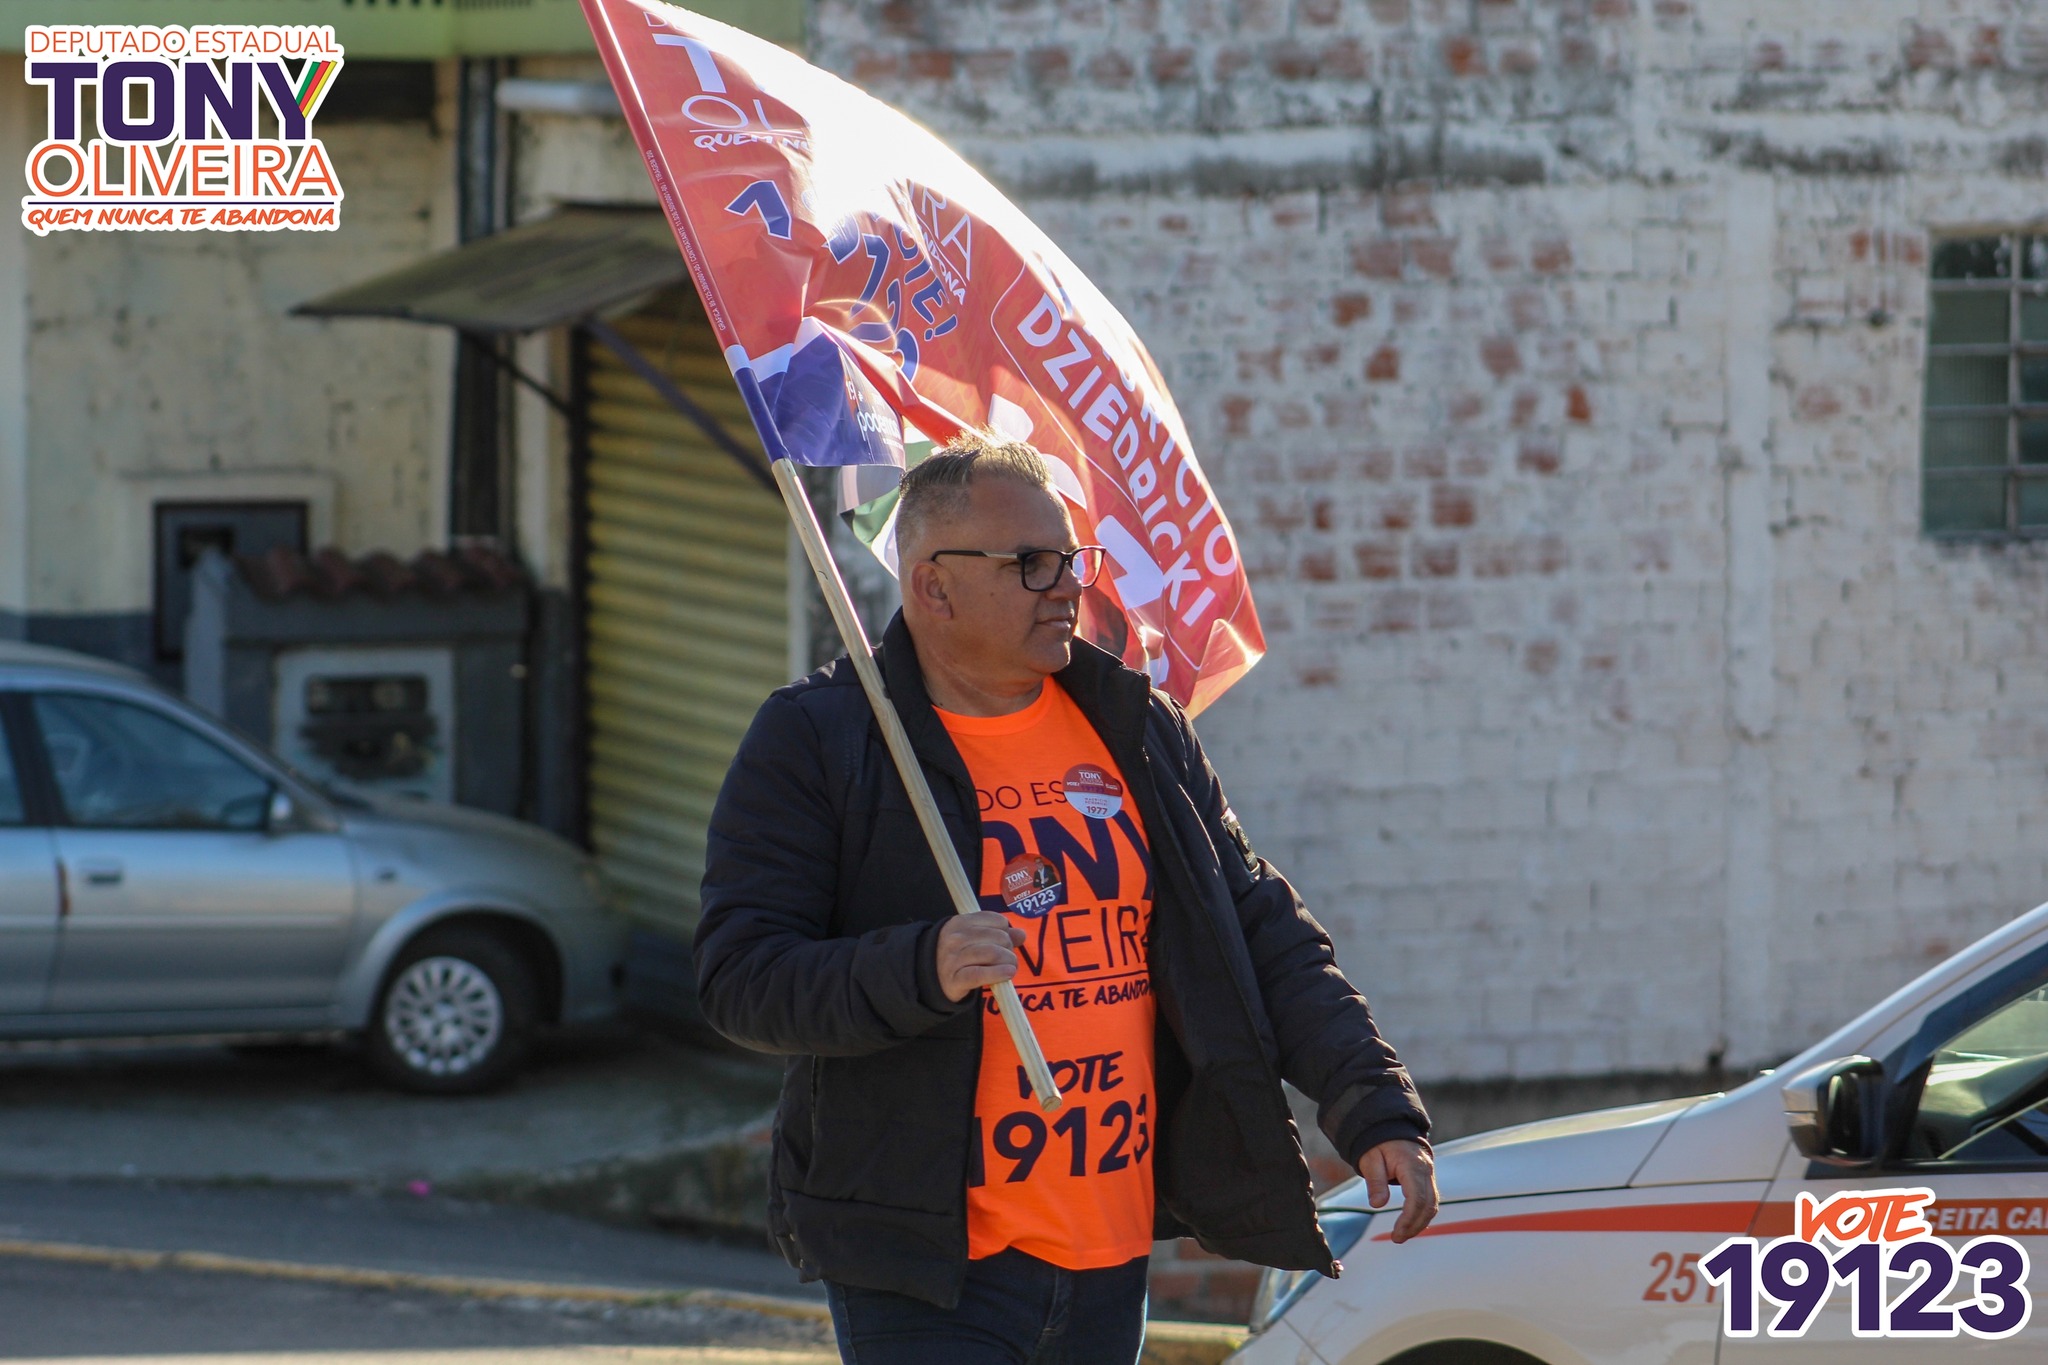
(763, 197)
(762, 410)
(821, 410)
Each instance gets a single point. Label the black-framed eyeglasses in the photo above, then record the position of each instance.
(1042, 569)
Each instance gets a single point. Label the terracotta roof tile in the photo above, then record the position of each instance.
(328, 573)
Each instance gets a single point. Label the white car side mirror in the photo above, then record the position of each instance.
(1835, 1111)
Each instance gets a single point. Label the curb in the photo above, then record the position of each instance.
(1190, 1343)
(1166, 1343)
(711, 1181)
(468, 1286)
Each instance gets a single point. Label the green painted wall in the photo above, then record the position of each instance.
(396, 28)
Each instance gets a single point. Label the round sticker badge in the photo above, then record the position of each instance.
(1092, 791)
(1031, 885)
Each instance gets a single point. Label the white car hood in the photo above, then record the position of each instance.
(1595, 1151)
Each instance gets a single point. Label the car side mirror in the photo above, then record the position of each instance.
(1836, 1111)
(283, 814)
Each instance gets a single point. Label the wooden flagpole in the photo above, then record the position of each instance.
(812, 535)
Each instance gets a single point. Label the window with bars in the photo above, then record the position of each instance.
(1984, 457)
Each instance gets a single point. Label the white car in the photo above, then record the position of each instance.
(1578, 1240)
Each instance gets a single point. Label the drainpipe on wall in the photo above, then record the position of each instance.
(18, 128)
(479, 501)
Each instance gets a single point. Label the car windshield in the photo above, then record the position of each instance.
(1986, 1090)
(335, 790)
(120, 765)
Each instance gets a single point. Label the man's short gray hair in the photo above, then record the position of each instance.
(937, 488)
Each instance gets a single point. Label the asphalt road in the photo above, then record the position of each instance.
(428, 1235)
(83, 1310)
(79, 1313)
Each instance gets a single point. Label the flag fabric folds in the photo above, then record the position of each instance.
(873, 293)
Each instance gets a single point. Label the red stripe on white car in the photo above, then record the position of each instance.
(2013, 1217)
(1731, 1216)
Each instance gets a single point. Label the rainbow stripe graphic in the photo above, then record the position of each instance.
(313, 83)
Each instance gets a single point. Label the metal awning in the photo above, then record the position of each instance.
(576, 264)
(567, 270)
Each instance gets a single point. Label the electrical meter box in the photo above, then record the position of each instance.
(395, 676)
(376, 718)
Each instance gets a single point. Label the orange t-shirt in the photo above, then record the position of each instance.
(1065, 857)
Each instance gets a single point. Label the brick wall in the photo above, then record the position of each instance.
(1560, 364)
(1192, 1285)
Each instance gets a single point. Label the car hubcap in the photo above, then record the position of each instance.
(443, 1016)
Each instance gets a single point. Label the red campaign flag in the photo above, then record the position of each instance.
(872, 291)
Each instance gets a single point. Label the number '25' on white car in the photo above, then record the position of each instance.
(1578, 1240)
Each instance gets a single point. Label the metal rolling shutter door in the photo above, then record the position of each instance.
(688, 610)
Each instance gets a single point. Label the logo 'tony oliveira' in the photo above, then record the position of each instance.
(174, 129)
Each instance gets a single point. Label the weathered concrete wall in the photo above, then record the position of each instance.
(1561, 362)
(164, 365)
(568, 159)
(556, 160)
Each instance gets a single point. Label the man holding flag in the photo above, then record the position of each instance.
(1037, 991)
(1172, 975)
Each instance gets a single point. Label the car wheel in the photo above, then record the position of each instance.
(455, 1016)
(1464, 1353)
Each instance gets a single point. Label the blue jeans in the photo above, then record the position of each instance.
(1014, 1310)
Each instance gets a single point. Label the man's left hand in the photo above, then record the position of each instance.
(1408, 1164)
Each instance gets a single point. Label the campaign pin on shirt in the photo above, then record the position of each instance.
(1092, 792)
(1031, 885)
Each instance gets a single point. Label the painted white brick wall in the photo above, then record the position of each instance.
(1561, 361)
(167, 355)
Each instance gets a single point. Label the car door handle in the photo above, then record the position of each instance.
(101, 871)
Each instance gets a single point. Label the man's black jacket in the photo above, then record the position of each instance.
(822, 905)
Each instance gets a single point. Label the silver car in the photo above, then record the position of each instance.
(160, 874)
